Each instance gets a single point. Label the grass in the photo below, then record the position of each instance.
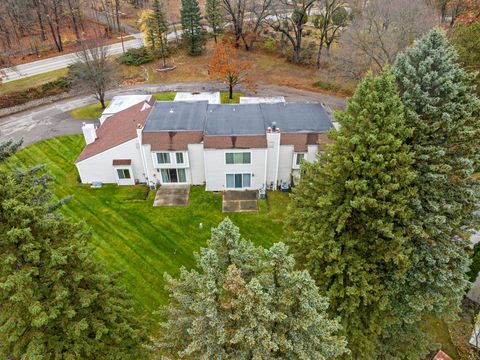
(165, 96)
(31, 81)
(225, 98)
(88, 112)
(137, 239)
(144, 242)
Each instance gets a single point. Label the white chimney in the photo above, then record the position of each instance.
(89, 132)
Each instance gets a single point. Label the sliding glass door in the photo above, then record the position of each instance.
(173, 176)
(238, 181)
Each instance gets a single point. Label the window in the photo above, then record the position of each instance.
(238, 181)
(123, 173)
(179, 157)
(300, 157)
(173, 176)
(238, 158)
(163, 158)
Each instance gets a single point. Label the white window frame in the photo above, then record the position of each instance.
(178, 177)
(295, 158)
(173, 160)
(124, 169)
(238, 173)
(237, 152)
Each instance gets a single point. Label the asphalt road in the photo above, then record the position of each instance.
(62, 61)
(54, 119)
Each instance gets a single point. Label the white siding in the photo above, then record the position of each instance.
(197, 164)
(99, 167)
(216, 169)
(285, 164)
(273, 153)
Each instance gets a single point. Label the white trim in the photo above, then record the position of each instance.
(296, 166)
(236, 151)
(238, 173)
(173, 160)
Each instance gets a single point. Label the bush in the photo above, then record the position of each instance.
(270, 44)
(327, 85)
(475, 267)
(55, 87)
(136, 57)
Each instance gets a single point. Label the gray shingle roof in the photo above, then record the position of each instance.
(177, 116)
(297, 117)
(234, 120)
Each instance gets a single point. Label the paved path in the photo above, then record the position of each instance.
(53, 119)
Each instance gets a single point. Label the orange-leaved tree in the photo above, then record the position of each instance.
(226, 66)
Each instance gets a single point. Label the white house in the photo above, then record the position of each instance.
(242, 146)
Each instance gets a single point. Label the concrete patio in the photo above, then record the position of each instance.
(172, 195)
(239, 201)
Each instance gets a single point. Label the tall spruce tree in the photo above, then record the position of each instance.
(445, 114)
(350, 210)
(56, 301)
(193, 34)
(215, 16)
(160, 29)
(246, 302)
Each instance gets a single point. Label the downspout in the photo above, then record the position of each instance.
(278, 161)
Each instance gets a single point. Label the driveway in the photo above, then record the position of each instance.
(54, 119)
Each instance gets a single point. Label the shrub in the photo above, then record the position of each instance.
(475, 267)
(327, 85)
(55, 87)
(136, 57)
(270, 44)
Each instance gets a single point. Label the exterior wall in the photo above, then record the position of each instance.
(312, 153)
(216, 168)
(285, 164)
(100, 168)
(273, 153)
(155, 167)
(197, 163)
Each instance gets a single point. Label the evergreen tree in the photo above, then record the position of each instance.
(246, 302)
(57, 302)
(350, 210)
(160, 30)
(215, 16)
(192, 31)
(445, 114)
(155, 27)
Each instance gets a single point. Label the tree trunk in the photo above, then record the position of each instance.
(74, 20)
(40, 20)
(230, 91)
(117, 17)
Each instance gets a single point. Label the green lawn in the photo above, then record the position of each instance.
(165, 96)
(88, 112)
(225, 99)
(134, 237)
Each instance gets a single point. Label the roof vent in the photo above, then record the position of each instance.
(171, 111)
(233, 109)
(274, 125)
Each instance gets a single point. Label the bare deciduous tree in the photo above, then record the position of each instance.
(381, 31)
(290, 17)
(95, 71)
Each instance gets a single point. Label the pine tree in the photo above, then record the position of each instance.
(246, 302)
(192, 31)
(160, 30)
(215, 16)
(445, 114)
(57, 302)
(350, 210)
